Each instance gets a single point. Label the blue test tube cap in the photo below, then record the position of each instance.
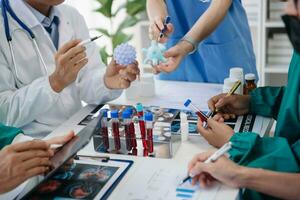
(187, 103)
(126, 114)
(139, 107)
(148, 116)
(104, 112)
(114, 114)
(130, 110)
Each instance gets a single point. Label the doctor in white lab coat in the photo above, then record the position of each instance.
(38, 102)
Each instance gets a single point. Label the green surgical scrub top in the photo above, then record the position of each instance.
(281, 153)
(7, 134)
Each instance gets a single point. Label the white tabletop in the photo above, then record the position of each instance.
(171, 94)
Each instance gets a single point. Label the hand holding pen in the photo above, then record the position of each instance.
(160, 29)
(193, 172)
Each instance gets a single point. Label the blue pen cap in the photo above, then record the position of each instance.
(148, 116)
(126, 114)
(139, 107)
(104, 112)
(114, 114)
(167, 19)
(187, 103)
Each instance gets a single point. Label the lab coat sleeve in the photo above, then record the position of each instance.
(266, 101)
(90, 81)
(20, 106)
(275, 154)
(249, 149)
(7, 135)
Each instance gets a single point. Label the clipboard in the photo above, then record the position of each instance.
(107, 159)
(114, 185)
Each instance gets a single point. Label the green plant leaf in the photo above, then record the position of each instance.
(134, 7)
(103, 31)
(122, 6)
(104, 55)
(127, 22)
(106, 7)
(119, 38)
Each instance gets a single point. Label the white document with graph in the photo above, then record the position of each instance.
(160, 181)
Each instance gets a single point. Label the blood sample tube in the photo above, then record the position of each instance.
(104, 129)
(149, 131)
(198, 112)
(132, 129)
(115, 128)
(140, 113)
(127, 121)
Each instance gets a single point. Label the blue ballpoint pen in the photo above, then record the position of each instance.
(166, 22)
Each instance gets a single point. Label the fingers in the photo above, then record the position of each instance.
(224, 101)
(199, 157)
(36, 162)
(126, 75)
(172, 52)
(159, 23)
(72, 54)
(199, 168)
(212, 101)
(61, 139)
(66, 47)
(124, 83)
(35, 171)
(155, 70)
(27, 155)
(78, 66)
(219, 118)
(133, 68)
(78, 58)
(30, 145)
(204, 132)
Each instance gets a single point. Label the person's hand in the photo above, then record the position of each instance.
(69, 60)
(60, 140)
(156, 26)
(230, 106)
(292, 9)
(174, 56)
(223, 170)
(120, 77)
(217, 133)
(22, 161)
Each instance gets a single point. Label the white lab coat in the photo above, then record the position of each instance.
(34, 106)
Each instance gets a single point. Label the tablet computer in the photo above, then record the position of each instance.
(66, 152)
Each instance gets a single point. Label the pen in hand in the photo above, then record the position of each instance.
(214, 157)
(231, 92)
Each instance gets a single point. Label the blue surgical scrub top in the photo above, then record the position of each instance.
(230, 45)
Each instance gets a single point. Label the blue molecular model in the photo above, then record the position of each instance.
(154, 54)
(124, 54)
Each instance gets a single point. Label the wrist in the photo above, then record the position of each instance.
(244, 177)
(107, 82)
(55, 84)
(186, 46)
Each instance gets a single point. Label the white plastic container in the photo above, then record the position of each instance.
(228, 84)
(238, 73)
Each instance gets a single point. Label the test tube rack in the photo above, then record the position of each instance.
(165, 142)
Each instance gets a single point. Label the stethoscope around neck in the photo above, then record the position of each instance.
(5, 7)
